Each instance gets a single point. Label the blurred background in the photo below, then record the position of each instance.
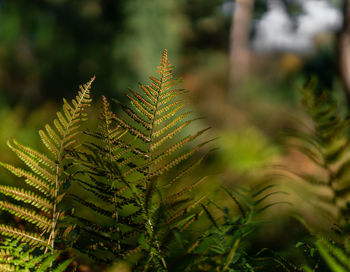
(242, 62)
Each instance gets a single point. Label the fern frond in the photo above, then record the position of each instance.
(45, 174)
(132, 130)
(95, 208)
(326, 145)
(131, 157)
(100, 164)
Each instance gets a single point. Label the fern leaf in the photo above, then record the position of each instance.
(34, 166)
(140, 107)
(31, 179)
(149, 92)
(24, 236)
(27, 197)
(49, 145)
(17, 257)
(143, 101)
(46, 173)
(30, 216)
(326, 145)
(130, 160)
(335, 258)
(41, 158)
(132, 130)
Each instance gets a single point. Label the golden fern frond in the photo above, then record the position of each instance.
(128, 163)
(45, 174)
(155, 122)
(67, 124)
(156, 116)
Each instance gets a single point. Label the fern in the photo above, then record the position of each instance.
(223, 247)
(15, 256)
(330, 256)
(45, 174)
(130, 165)
(109, 239)
(326, 144)
(136, 203)
(335, 257)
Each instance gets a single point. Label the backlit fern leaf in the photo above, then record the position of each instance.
(138, 163)
(164, 111)
(45, 174)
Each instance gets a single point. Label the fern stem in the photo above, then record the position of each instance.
(110, 154)
(58, 168)
(54, 220)
(231, 255)
(149, 170)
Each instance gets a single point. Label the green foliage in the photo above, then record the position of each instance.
(130, 164)
(37, 200)
(15, 256)
(326, 255)
(41, 44)
(326, 144)
(224, 246)
(134, 201)
(334, 256)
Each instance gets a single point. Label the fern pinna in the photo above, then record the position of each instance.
(136, 167)
(45, 175)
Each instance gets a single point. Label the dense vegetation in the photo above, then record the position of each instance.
(127, 192)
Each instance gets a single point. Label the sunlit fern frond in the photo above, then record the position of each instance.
(15, 256)
(139, 162)
(38, 202)
(156, 122)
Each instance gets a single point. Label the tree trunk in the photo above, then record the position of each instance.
(239, 43)
(344, 51)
